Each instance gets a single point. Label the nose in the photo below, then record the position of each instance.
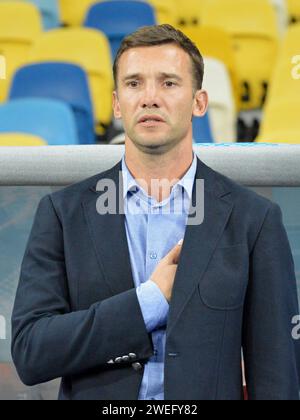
(150, 97)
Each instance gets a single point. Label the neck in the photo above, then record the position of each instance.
(157, 174)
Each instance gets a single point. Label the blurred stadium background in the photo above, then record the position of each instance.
(56, 89)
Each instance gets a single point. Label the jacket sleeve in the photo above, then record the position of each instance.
(50, 341)
(270, 352)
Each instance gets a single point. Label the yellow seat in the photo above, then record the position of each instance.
(208, 40)
(73, 11)
(285, 80)
(18, 139)
(189, 13)
(166, 11)
(281, 115)
(20, 25)
(293, 10)
(281, 122)
(252, 25)
(89, 49)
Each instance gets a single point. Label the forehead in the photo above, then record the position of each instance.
(167, 58)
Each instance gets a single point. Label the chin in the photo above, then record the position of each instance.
(157, 148)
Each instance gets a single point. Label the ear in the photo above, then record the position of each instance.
(200, 103)
(116, 106)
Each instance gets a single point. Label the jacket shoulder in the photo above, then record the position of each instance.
(244, 198)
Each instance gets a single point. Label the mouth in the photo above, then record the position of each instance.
(150, 120)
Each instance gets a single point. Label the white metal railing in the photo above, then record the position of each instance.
(248, 164)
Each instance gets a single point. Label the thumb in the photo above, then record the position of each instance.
(173, 256)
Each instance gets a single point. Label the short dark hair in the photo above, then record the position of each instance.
(148, 36)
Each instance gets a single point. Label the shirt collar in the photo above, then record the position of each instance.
(187, 181)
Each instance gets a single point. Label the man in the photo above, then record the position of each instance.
(115, 303)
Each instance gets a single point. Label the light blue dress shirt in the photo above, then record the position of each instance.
(152, 230)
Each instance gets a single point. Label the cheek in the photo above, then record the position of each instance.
(127, 105)
(180, 101)
(183, 110)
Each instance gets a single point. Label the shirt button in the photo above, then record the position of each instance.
(153, 255)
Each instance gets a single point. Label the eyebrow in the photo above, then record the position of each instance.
(131, 76)
(162, 76)
(171, 76)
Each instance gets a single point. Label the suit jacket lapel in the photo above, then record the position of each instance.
(109, 236)
(200, 240)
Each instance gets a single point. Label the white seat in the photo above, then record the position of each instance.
(221, 100)
(119, 139)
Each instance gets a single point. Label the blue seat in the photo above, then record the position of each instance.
(201, 130)
(50, 12)
(118, 19)
(62, 81)
(52, 120)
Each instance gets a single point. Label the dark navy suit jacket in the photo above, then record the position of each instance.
(76, 307)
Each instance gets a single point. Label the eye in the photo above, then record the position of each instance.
(169, 83)
(133, 83)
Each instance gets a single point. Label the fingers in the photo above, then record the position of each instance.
(178, 248)
(173, 256)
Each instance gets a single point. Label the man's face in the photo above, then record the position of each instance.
(155, 97)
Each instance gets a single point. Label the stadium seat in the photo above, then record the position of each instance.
(221, 102)
(189, 13)
(49, 119)
(89, 49)
(49, 10)
(166, 11)
(20, 25)
(280, 7)
(293, 10)
(208, 40)
(118, 139)
(18, 139)
(118, 19)
(202, 129)
(285, 80)
(73, 12)
(62, 81)
(252, 25)
(281, 123)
